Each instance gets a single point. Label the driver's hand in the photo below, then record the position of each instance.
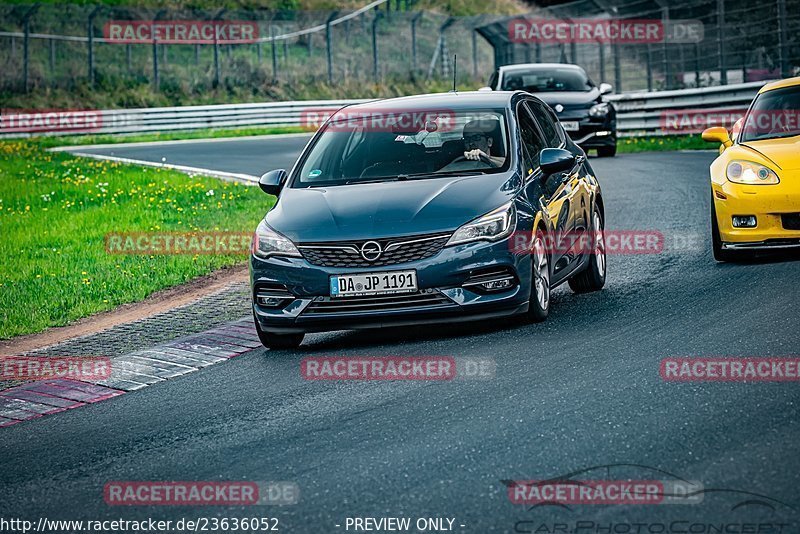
(475, 154)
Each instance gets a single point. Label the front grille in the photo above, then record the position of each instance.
(791, 221)
(418, 299)
(395, 251)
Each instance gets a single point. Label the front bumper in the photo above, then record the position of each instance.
(770, 204)
(441, 298)
(592, 133)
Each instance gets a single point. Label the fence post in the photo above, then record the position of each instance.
(538, 52)
(602, 58)
(375, 21)
(474, 53)
(414, 21)
(156, 80)
(667, 73)
(649, 60)
(53, 58)
(783, 38)
(697, 64)
(26, 49)
(723, 68)
(328, 46)
(215, 19)
(258, 52)
(90, 31)
(274, 54)
(617, 71)
(128, 56)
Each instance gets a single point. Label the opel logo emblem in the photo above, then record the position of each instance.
(559, 108)
(371, 250)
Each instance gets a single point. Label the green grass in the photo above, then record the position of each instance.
(663, 143)
(55, 210)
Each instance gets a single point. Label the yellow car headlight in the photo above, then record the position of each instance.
(747, 172)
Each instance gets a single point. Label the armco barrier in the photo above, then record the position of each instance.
(638, 113)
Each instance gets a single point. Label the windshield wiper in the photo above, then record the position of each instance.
(437, 174)
(373, 180)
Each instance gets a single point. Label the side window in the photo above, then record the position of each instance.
(545, 119)
(532, 142)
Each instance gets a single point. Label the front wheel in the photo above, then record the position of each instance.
(539, 306)
(278, 341)
(721, 254)
(593, 278)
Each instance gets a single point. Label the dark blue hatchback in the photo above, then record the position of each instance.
(426, 209)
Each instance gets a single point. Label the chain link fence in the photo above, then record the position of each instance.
(71, 47)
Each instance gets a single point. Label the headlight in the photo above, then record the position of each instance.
(267, 242)
(747, 172)
(599, 110)
(493, 226)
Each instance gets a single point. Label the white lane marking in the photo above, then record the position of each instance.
(179, 142)
(247, 179)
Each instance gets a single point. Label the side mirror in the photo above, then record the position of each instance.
(485, 88)
(605, 88)
(717, 134)
(272, 181)
(553, 160)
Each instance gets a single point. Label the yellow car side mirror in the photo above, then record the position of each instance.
(717, 134)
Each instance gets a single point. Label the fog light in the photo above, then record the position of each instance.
(602, 133)
(496, 285)
(270, 302)
(744, 221)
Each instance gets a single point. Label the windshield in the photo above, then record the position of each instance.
(547, 80)
(773, 114)
(359, 146)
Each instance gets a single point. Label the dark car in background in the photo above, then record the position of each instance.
(422, 210)
(589, 120)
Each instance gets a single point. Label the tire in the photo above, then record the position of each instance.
(593, 277)
(539, 307)
(720, 254)
(607, 151)
(278, 341)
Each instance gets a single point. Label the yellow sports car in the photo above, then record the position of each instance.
(755, 182)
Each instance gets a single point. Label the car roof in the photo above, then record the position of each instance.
(780, 84)
(441, 101)
(525, 66)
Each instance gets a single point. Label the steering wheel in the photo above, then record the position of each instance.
(482, 158)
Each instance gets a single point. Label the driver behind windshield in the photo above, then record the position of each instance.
(478, 137)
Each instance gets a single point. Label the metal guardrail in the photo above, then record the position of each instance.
(643, 113)
(638, 113)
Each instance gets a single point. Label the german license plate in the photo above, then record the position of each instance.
(382, 283)
(570, 126)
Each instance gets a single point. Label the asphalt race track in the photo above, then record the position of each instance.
(580, 391)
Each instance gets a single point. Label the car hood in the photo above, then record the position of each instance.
(387, 209)
(570, 99)
(784, 153)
